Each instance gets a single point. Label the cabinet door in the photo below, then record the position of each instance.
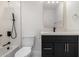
(59, 46)
(71, 49)
(60, 49)
(47, 49)
(72, 46)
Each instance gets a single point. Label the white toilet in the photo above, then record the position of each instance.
(27, 44)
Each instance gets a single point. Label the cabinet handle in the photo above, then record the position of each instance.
(47, 48)
(65, 47)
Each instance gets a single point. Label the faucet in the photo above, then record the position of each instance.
(7, 44)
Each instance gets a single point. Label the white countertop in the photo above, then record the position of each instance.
(59, 33)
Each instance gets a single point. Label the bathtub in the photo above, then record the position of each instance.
(4, 52)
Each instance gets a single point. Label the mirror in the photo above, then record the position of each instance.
(53, 14)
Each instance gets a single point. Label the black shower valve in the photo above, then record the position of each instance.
(9, 43)
(8, 33)
(0, 35)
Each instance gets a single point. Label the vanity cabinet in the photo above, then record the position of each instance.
(59, 45)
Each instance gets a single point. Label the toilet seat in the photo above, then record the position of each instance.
(23, 52)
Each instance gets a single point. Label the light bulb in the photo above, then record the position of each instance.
(48, 1)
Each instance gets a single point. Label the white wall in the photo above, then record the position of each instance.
(72, 15)
(31, 18)
(32, 23)
(6, 10)
(3, 22)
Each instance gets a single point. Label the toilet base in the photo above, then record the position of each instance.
(23, 52)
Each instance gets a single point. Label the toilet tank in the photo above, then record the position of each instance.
(28, 41)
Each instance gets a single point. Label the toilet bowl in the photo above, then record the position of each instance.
(27, 44)
(23, 52)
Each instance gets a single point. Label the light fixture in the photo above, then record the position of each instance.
(48, 1)
(53, 2)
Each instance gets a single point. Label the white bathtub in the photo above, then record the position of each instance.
(8, 53)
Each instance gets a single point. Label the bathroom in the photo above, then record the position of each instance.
(25, 24)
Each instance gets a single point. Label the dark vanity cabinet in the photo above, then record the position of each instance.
(59, 45)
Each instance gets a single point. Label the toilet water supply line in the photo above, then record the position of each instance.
(13, 28)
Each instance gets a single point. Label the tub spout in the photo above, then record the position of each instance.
(7, 44)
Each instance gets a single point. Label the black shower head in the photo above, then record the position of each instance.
(13, 16)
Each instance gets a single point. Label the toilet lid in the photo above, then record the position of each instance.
(23, 52)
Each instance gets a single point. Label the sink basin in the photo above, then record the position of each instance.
(59, 33)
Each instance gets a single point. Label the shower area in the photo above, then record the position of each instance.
(10, 28)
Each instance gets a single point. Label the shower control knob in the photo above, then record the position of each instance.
(0, 35)
(9, 43)
(8, 33)
(8, 48)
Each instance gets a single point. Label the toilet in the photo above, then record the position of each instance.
(27, 44)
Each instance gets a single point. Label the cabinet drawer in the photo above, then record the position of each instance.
(48, 38)
(59, 38)
(47, 52)
(52, 38)
(71, 38)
